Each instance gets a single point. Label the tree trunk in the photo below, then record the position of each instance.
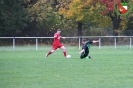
(116, 23)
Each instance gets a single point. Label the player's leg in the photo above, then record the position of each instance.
(83, 55)
(89, 56)
(51, 51)
(64, 50)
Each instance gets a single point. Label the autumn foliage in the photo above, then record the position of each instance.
(109, 5)
(77, 10)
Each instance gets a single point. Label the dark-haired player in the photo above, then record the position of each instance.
(57, 44)
(85, 48)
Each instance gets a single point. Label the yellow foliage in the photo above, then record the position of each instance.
(75, 10)
(80, 6)
(123, 24)
(69, 14)
(62, 11)
(92, 8)
(79, 18)
(77, 1)
(103, 21)
(88, 2)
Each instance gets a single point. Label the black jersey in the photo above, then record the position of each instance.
(86, 46)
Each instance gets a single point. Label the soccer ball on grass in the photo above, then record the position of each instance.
(68, 56)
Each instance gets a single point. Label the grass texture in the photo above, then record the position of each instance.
(109, 68)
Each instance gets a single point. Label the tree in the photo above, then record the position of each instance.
(85, 12)
(110, 11)
(43, 17)
(13, 17)
(130, 22)
(79, 11)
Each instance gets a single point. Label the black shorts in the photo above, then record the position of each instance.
(84, 54)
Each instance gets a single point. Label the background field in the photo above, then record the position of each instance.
(27, 68)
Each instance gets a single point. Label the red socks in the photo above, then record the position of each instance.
(64, 54)
(49, 53)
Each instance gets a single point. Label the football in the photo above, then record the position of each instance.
(68, 56)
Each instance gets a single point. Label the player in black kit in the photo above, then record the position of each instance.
(85, 48)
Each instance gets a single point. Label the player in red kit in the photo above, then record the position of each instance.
(57, 44)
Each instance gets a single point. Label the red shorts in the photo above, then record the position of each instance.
(55, 46)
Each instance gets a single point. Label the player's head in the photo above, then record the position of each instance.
(58, 31)
(83, 41)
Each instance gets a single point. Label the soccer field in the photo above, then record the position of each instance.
(109, 68)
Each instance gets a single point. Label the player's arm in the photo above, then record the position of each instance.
(55, 35)
(95, 41)
(62, 37)
(82, 51)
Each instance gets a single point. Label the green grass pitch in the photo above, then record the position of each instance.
(109, 68)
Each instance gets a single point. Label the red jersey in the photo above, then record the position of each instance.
(56, 38)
